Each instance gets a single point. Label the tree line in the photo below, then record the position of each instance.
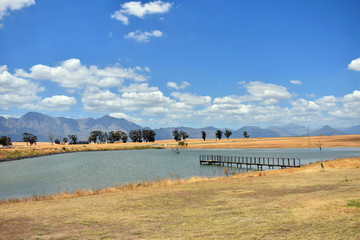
(139, 135)
(178, 135)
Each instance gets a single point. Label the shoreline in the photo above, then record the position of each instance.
(154, 183)
(156, 148)
(45, 149)
(307, 203)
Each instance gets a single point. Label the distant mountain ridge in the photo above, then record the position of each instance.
(43, 125)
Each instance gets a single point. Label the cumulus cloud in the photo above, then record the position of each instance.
(267, 90)
(107, 90)
(54, 103)
(22, 93)
(354, 64)
(136, 97)
(140, 10)
(350, 108)
(192, 99)
(143, 36)
(72, 74)
(183, 85)
(12, 5)
(16, 91)
(327, 102)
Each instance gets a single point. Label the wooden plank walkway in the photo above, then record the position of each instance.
(260, 162)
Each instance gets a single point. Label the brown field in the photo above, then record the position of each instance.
(20, 150)
(298, 203)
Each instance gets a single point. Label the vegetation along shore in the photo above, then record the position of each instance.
(20, 150)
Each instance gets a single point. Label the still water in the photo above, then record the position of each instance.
(93, 170)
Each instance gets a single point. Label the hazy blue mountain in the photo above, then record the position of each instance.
(353, 130)
(43, 125)
(289, 130)
(166, 133)
(254, 132)
(327, 131)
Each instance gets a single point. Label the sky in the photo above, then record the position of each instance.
(229, 63)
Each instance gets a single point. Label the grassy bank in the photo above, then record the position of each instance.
(301, 203)
(20, 150)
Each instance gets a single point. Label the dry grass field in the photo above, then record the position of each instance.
(301, 203)
(21, 150)
(298, 203)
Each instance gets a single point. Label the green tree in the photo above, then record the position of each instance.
(123, 136)
(203, 135)
(29, 138)
(57, 141)
(148, 135)
(246, 135)
(103, 137)
(113, 137)
(184, 135)
(5, 141)
(73, 139)
(177, 135)
(227, 133)
(65, 140)
(95, 136)
(136, 135)
(218, 134)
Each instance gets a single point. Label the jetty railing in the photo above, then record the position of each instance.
(250, 161)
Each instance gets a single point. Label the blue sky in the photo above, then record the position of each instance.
(192, 63)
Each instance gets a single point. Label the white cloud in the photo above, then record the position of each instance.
(327, 102)
(140, 10)
(192, 99)
(140, 99)
(136, 87)
(54, 103)
(126, 116)
(296, 82)
(267, 90)
(15, 91)
(143, 36)
(12, 5)
(354, 64)
(107, 90)
(271, 93)
(183, 85)
(72, 74)
(350, 108)
(136, 97)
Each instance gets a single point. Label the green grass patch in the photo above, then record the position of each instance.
(354, 203)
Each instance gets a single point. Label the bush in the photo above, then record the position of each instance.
(182, 143)
(57, 141)
(4, 140)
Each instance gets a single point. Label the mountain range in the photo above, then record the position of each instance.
(43, 126)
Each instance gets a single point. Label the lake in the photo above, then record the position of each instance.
(93, 170)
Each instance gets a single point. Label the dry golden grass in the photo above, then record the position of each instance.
(20, 150)
(300, 203)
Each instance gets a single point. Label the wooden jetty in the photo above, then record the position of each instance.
(260, 162)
